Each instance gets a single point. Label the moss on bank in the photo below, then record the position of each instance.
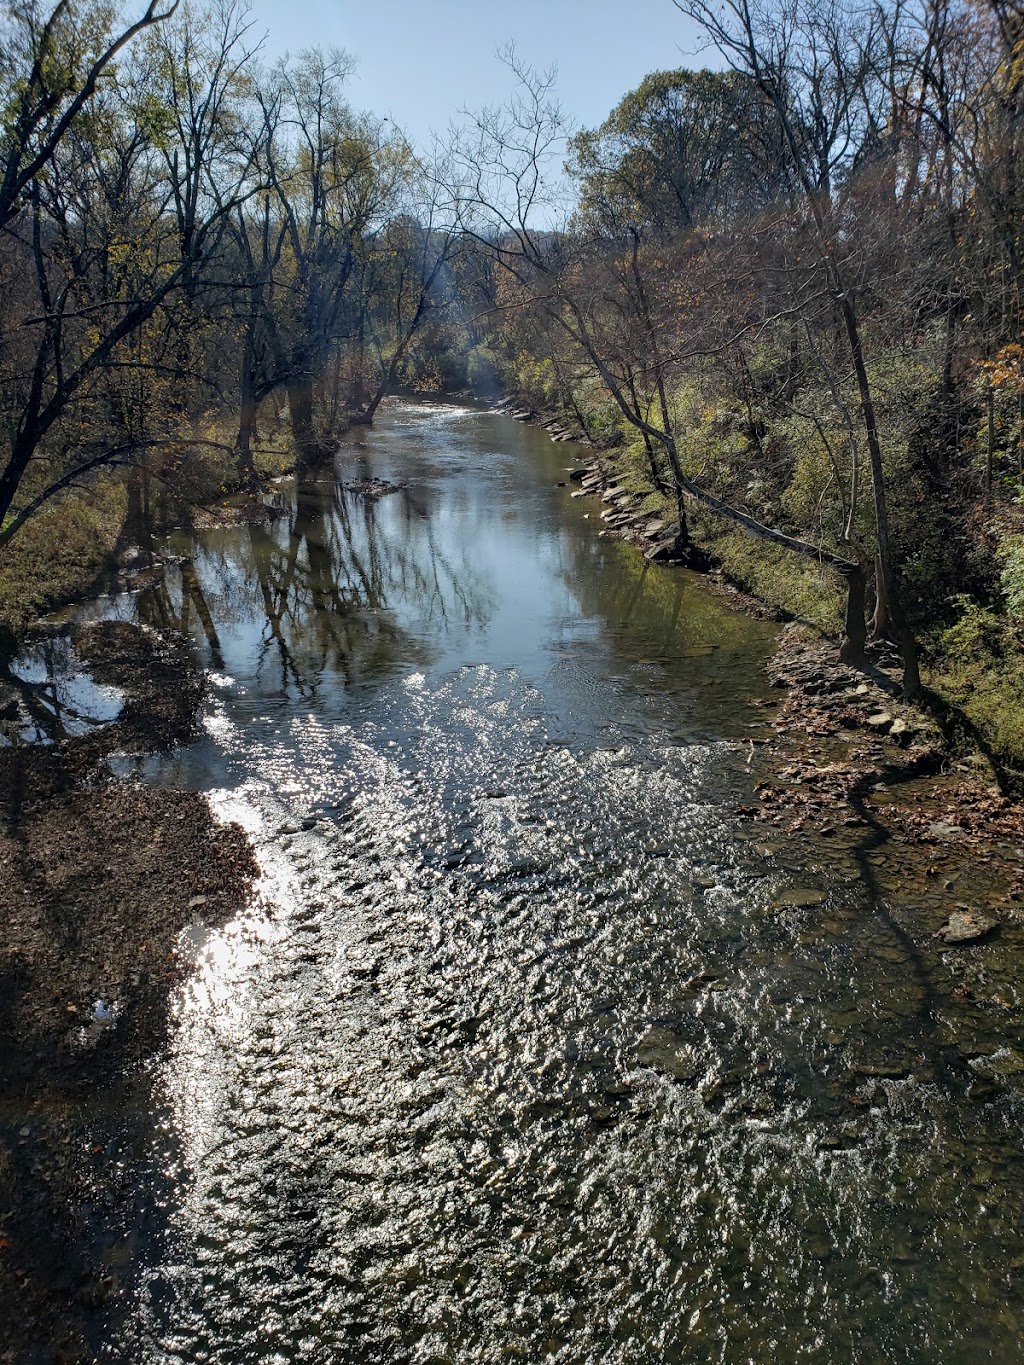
(794, 587)
(977, 665)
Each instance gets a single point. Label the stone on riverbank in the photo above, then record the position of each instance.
(798, 898)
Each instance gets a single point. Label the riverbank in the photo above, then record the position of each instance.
(100, 878)
(73, 545)
(956, 728)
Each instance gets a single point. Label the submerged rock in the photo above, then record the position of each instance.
(663, 1051)
(881, 1067)
(966, 926)
(798, 898)
(1006, 1061)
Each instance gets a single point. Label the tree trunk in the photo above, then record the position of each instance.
(388, 378)
(880, 615)
(948, 353)
(300, 409)
(580, 418)
(886, 584)
(10, 478)
(247, 419)
(990, 442)
(852, 651)
(656, 478)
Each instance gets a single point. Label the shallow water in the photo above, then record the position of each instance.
(523, 1054)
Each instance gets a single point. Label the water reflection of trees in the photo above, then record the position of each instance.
(659, 610)
(54, 702)
(691, 645)
(321, 587)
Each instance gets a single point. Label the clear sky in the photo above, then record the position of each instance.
(422, 61)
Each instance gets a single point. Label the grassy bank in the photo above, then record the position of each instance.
(60, 553)
(961, 552)
(974, 664)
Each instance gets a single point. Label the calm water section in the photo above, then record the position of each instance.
(518, 1057)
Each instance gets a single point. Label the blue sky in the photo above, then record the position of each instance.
(421, 62)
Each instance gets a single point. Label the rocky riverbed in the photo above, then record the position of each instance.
(587, 949)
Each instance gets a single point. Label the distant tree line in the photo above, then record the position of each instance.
(188, 237)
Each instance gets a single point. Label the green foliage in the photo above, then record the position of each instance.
(1011, 579)
(672, 154)
(536, 379)
(794, 586)
(481, 369)
(978, 664)
(603, 419)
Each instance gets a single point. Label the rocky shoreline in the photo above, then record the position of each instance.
(622, 514)
(806, 662)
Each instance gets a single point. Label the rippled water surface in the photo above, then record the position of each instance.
(523, 1055)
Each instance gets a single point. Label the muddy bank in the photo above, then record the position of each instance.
(99, 879)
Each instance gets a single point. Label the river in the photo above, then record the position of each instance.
(524, 1052)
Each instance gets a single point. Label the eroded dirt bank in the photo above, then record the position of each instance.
(98, 877)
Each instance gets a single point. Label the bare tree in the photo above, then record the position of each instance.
(332, 176)
(813, 61)
(598, 292)
(103, 255)
(49, 66)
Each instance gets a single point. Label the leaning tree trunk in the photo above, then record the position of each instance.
(855, 633)
(887, 587)
(679, 484)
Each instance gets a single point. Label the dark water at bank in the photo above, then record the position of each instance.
(531, 1051)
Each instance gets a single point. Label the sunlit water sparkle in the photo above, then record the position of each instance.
(514, 1056)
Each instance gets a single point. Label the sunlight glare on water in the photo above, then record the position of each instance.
(514, 1057)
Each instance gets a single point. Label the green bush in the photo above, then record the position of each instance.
(977, 663)
(1011, 579)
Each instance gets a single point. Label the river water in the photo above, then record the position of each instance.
(528, 1051)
